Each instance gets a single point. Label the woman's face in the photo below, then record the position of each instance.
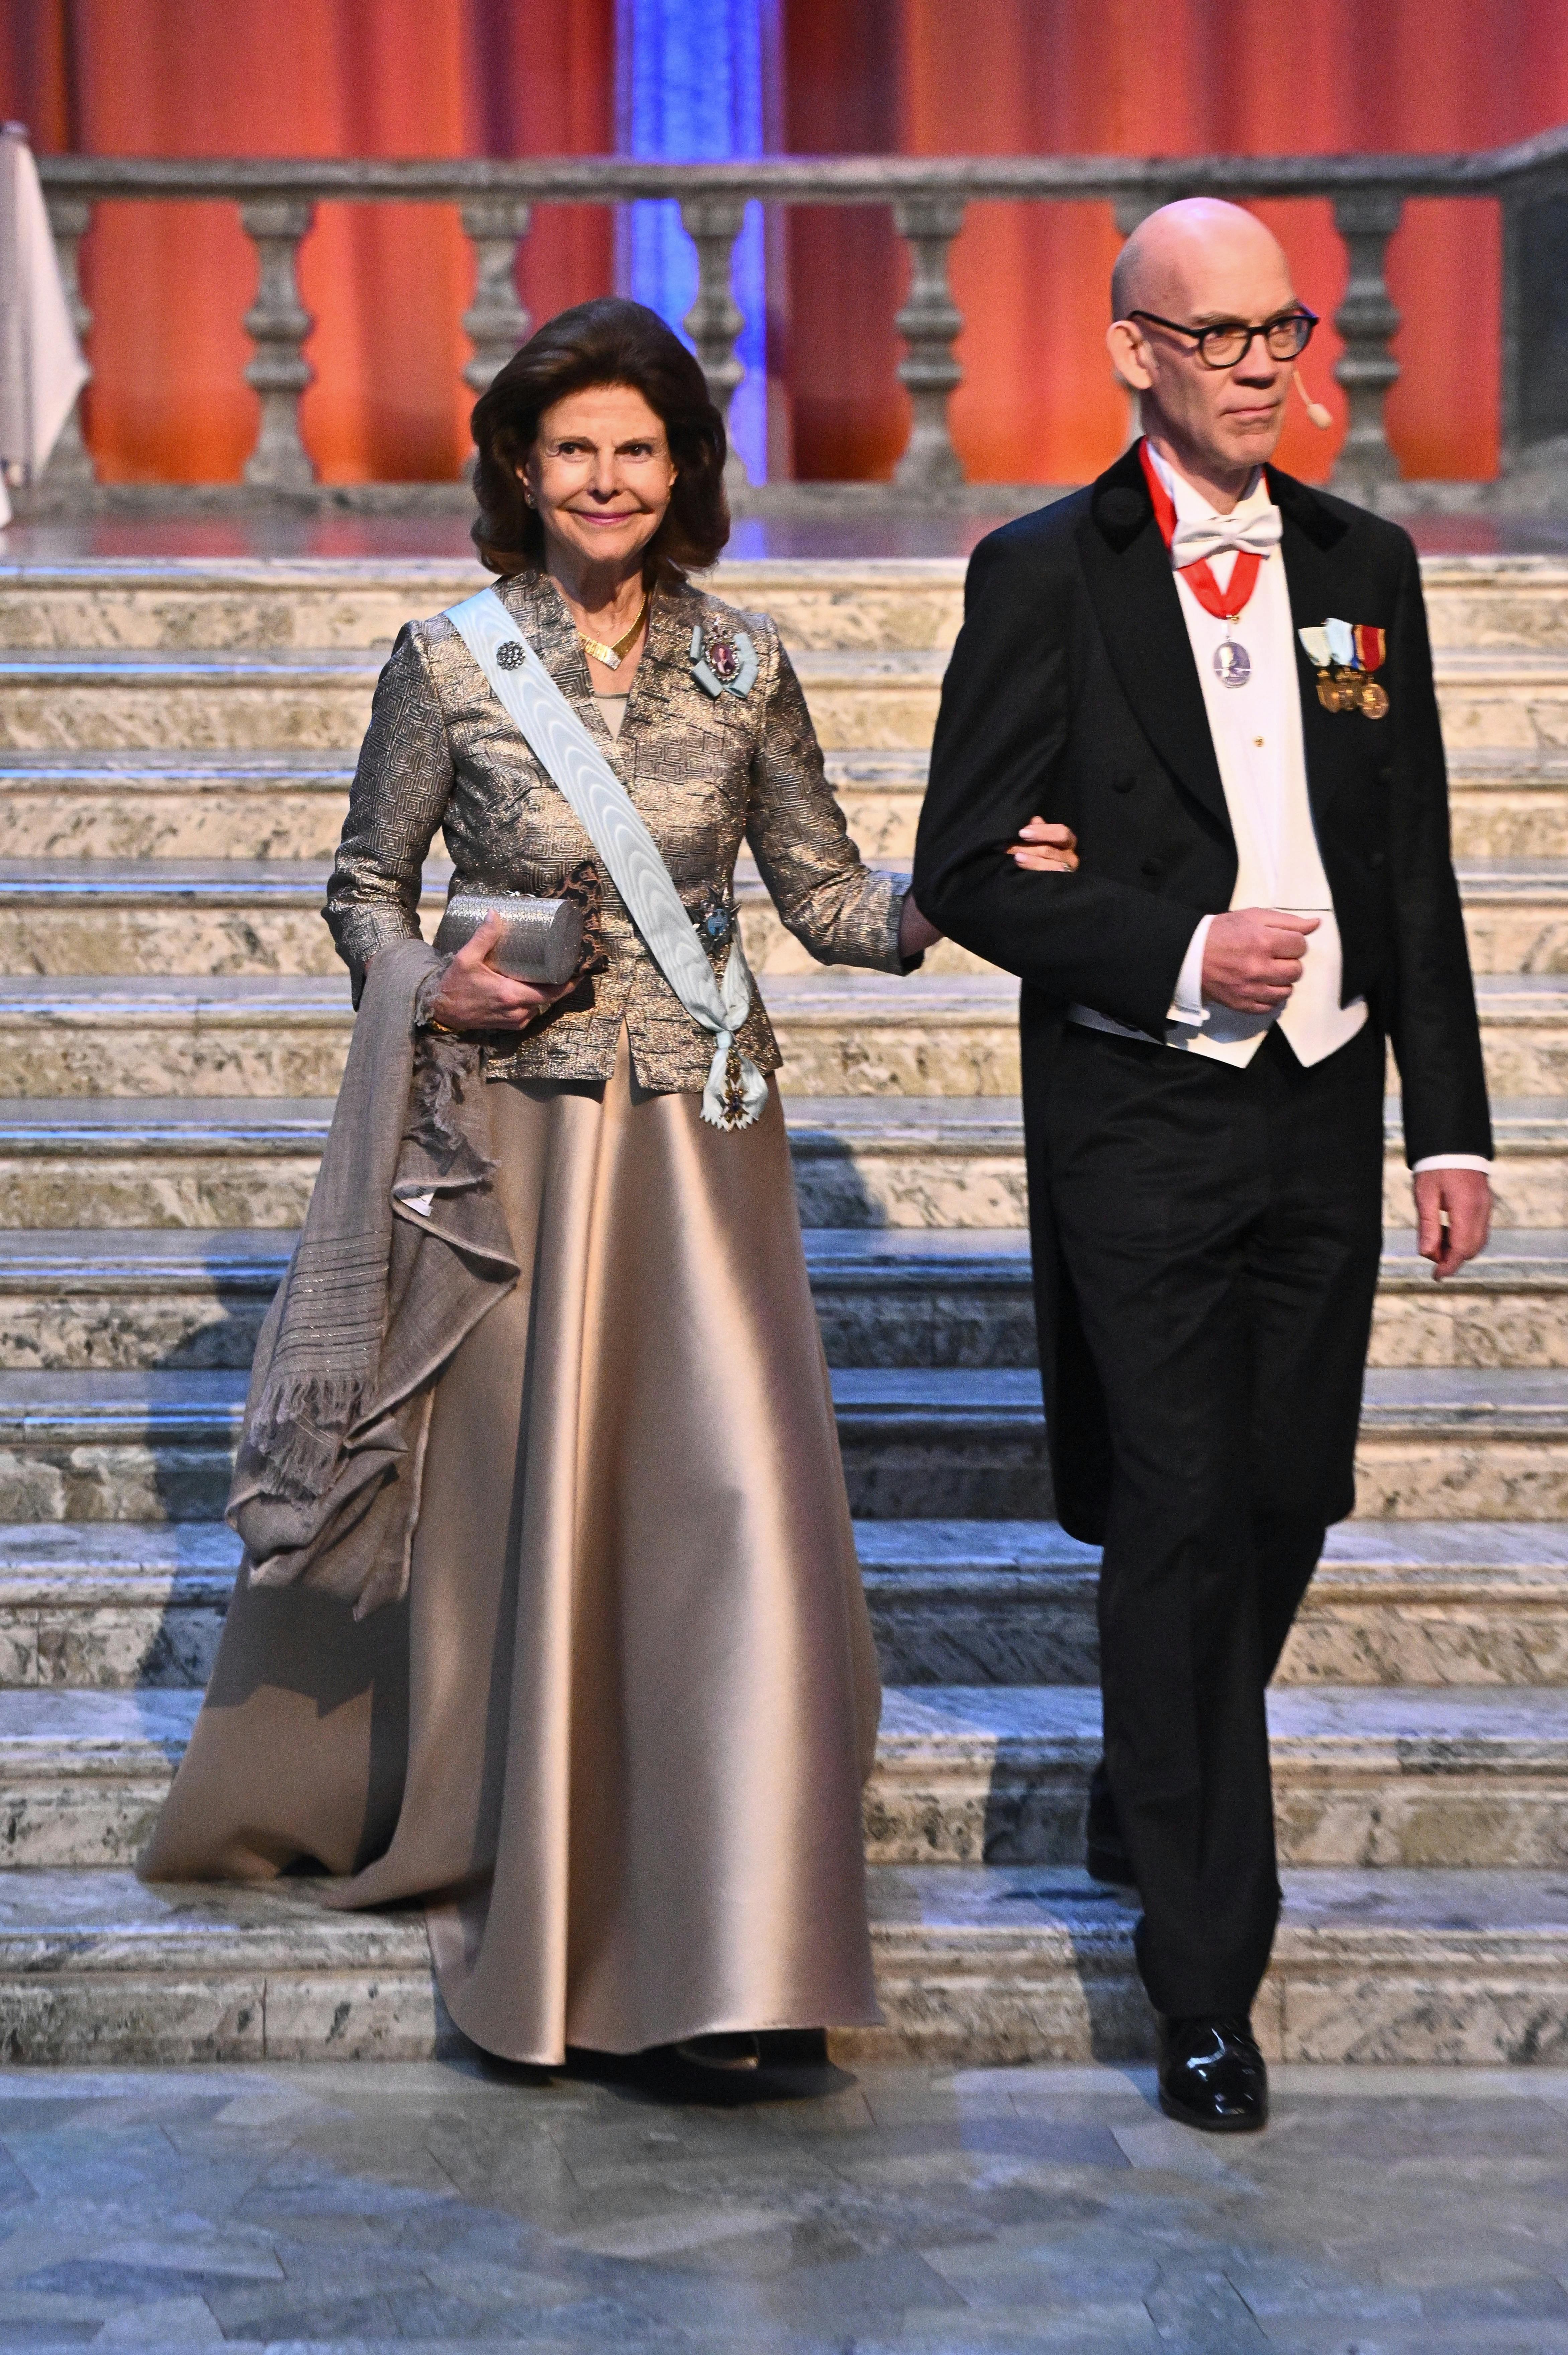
(600, 476)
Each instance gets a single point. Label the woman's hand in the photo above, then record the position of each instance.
(1045, 849)
(915, 933)
(475, 997)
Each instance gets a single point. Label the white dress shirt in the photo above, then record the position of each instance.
(1258, 748)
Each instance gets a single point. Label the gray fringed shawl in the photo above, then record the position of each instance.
(402, 1250)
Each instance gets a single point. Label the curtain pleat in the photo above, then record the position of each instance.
(169, 285)
(1150, 78)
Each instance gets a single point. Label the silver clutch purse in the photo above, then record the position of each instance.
(541, 940)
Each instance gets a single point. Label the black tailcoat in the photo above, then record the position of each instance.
(1071, 693)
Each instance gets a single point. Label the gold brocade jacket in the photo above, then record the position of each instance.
(705, 774)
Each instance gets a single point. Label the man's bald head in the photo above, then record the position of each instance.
(1188, 260)
(1192, 265)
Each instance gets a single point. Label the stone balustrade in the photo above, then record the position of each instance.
(927, 199)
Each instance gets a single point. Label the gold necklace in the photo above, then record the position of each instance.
(611, 656)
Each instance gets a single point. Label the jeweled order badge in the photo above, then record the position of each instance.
(723, 660)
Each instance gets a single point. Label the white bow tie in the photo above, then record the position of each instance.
(1206, 536)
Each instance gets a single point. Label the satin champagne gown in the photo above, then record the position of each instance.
(615, 1738)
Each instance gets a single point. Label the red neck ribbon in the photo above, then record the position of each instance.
(1225, 605)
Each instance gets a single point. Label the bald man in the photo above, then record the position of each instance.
(1220, 679)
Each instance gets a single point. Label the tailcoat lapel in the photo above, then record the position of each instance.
(1310, 533)
(1134, 595)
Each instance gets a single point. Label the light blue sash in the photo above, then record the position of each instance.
(736, 1090)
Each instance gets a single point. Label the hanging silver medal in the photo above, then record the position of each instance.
(1233, 664)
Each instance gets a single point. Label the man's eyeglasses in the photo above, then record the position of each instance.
(1227, 341)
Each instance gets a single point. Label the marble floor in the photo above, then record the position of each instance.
(457, 2205)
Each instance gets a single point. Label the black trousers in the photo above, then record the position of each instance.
(1221, 1229)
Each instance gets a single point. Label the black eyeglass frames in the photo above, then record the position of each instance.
(1227, 342)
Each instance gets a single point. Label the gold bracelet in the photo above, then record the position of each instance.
(444, 1027)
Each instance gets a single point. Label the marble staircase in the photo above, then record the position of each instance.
(175, 742)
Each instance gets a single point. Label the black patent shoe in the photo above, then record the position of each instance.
(726, 2055)
(776, 2064)
(1212, 2075)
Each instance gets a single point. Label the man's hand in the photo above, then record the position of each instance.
(1251, 958)
(1045, 849)
(1453, 1212)
(917, 933)
(475, 997)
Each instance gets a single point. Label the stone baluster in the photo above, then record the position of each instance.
(278, 324)
(71, 460)
(929, 323)
(1367, 320)
(496, 321)
(715, 319)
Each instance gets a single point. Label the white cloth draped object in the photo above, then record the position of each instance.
(41, 366)
(603, 808)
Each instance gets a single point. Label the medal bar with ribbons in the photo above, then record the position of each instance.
(1233, 664)
(1345, 654)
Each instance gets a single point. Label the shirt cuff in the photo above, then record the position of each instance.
(1187, 1004)
(1452, 1161)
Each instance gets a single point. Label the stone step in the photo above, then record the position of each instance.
(90, 1604)
(218, 917)
(290, 700)
(840, 1034)
(267, 1035)
(221, 916)
(974, 1966)
(293, 699)
(140, 1161)
(1502, 700)
(1516, 914)
(1507, 805)
(928, 1443)
(1364, 1776)
(107, 1446)
(121, 1299)
(1509, 1307)
(135, 805)
(253, 805)
(251, 604)
(175, 605)
(1497, 601)
(910, 1162)
(1511, 807)
(1013, 1603)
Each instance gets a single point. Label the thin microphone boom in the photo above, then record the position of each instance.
(1314, 408)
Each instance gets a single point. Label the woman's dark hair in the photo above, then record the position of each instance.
(608, 341)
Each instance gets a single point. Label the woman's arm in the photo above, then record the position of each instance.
(842, 911)
(399, 795)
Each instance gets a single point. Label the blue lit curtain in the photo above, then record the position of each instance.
(697, 79)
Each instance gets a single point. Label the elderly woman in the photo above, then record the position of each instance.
(615, 1731)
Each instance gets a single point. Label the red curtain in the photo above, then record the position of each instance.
(1149, 78)
(169, 284)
